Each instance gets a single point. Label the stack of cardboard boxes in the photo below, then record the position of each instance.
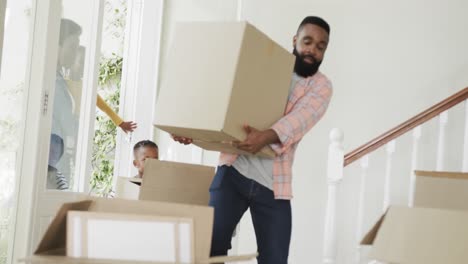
(220, 76)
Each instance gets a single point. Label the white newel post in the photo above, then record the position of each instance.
(414, 164)
(364, 163)
(334, 176)
(465, 145)
(443, 119)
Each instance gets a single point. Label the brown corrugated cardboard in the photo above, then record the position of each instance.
(420, 235)
(441, 190)
(53, 245)
(168, 181)
(231, 74)
(127, 188)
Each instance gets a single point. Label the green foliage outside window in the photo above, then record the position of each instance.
(110, 71)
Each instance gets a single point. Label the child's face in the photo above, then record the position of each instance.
(141, 155)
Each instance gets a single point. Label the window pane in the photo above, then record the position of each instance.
(74, 39)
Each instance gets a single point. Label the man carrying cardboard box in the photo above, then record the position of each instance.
(264, 185)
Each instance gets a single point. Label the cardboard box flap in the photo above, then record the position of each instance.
(370, 236)
(135, 180)
(54, 239)
(422, 235)
(176, 182)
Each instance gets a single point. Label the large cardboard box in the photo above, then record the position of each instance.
(52, 248)
(220, 76)
(420, 236)
(441, 190)
(168, 181)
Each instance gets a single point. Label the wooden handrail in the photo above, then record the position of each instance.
(406, 126)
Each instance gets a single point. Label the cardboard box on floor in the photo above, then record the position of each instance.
(434, 231)
(52, 248)
(420, 236)
(168, 181)
(229, 75)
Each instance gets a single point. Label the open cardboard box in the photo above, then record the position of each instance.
(230, 74)
(168, 181)
(419, 236)
(52, 248)
(434, 231)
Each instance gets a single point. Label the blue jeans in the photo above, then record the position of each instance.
(56, 150)
(231, 194)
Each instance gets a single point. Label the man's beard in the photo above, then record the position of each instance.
(303, 68)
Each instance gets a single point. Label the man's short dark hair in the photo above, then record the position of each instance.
(314, 20)
(144, 143)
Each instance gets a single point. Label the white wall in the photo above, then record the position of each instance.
(388, 60)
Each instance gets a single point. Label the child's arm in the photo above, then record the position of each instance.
(101, 104)
(126, 126)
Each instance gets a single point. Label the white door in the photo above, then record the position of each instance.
(54, 159)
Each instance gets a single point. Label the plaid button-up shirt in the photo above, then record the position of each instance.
(307, 103)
